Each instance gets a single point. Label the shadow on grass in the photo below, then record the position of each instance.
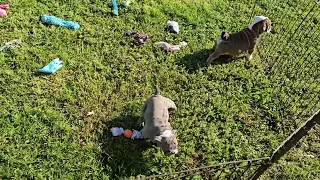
(121, 156)
(37, 73)
(193, 62)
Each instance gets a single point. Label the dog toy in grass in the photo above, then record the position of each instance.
(3, 12)
(116, 131)
(168, 47)
(173, 27)
(4, 6)
(11, 45)
(49, 19)
(133, 134)
(115, 9)
(139, 39)
(52, 67)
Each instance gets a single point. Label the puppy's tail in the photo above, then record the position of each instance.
(157, 90)
(225, 36)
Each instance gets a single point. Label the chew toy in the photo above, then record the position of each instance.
(173, 26)
(139, 39)
(4, 6)
(168, 47)
(127, 133)
(11, 45)
(3, 12)
(52, 67)
(116, 131)
(133, 134)
(48, 19)
(115, 7)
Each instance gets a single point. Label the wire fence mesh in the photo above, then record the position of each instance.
(229, 170)
(290, 57)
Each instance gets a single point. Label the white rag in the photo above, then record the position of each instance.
(173, 25)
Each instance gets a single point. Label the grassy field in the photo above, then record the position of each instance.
(231, 110)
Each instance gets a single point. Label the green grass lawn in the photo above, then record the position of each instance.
(228, 111)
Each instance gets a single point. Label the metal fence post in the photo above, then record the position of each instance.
(289, 143)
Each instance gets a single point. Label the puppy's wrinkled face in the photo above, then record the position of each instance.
(168, 144)
(263, 26)
(267, 25)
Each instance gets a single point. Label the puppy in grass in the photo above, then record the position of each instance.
(241, 42)
(155, 120)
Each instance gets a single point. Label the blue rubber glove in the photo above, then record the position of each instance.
(60, 22)
(52, 67)
(114, 7)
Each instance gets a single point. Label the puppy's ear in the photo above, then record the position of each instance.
(171, 110)
(157, 138)
(225, 36)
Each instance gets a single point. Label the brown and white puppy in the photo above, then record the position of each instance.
(155, 119)
(243, 41)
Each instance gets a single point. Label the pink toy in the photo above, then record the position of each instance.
(4, 6)
(3, 12)
(168, 47)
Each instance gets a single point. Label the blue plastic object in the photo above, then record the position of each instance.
(114, 7)
(60, 22)
(52, 67)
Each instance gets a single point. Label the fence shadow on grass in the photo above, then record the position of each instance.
(121, 156)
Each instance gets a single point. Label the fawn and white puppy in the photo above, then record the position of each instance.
(243, 41)
(155, 119)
